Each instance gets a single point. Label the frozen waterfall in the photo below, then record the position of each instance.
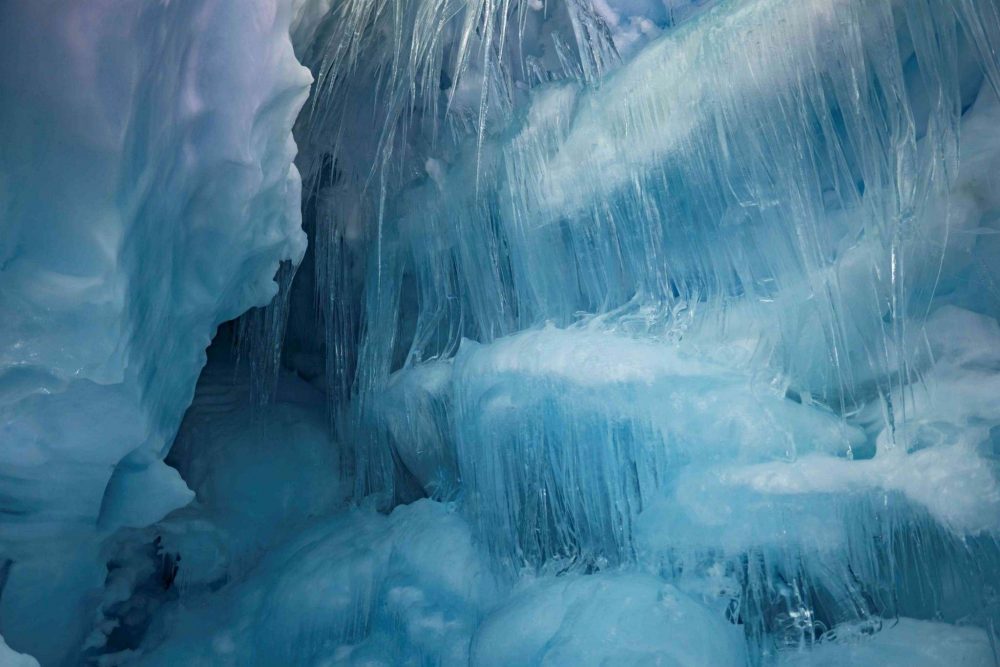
(500, 332)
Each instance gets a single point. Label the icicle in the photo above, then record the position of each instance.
(260, 338)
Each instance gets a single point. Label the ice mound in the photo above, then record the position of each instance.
(563, 436)
(358, 588)
(268, 467)
(13, 658)
(605, 619)
(902, 642)
(260, 473)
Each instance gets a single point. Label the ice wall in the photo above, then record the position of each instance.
(709, 313)
(689, 337)
(765, 183)
(682, 315)
(147, 193)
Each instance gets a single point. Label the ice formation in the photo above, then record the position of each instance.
(148, 193)
(626, 333)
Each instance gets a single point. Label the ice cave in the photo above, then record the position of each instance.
(500, 333)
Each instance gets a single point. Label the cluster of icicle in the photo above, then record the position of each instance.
(778, 190)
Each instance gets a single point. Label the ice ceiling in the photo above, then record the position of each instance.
(500, 332)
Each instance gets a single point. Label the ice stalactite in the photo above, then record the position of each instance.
(629, 332)
(696, 313)
(401, 90)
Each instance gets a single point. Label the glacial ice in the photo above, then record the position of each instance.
(13, 658)
(726, 314)
(625, 619)
(905, 642)
(627, 332)
(147, 193)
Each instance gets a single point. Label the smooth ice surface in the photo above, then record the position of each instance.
(604, 619)
(12, 658)
(357, 588)
(903, 642)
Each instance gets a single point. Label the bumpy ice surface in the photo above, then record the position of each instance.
(628, 333)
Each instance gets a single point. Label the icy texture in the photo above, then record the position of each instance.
(726, 312)
(564, 435)
(683, 316)
(147, 194)
(602, 619)
(904, 642)
(12, 658)
(262, 474)
(359, 588)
